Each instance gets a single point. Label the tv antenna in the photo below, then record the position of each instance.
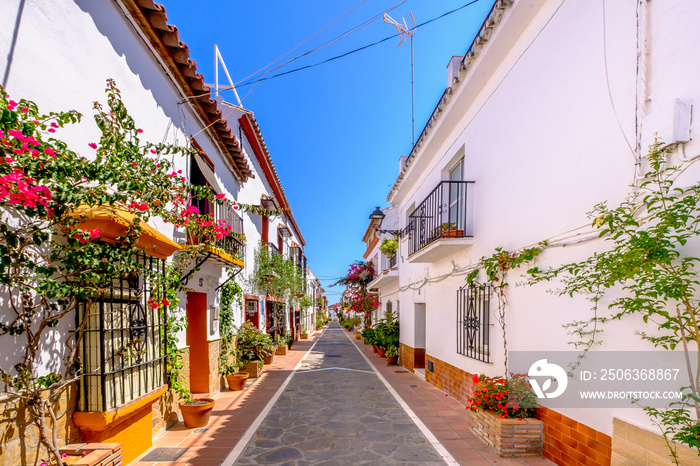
(407, 33)
(219, 59)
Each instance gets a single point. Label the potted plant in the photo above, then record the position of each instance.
(389, 247)
(236, 379)
(231, 293)
(448, 230)
(251, 346)
(195, 411)
(392, 355)
(501, 410)
(304, 333)
(282, 346)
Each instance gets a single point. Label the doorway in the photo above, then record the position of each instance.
(197, 341)
(419, 335)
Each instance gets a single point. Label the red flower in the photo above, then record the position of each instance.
(475, 379)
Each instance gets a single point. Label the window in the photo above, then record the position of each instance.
(455, 199)
(473, 327)
(121, 352)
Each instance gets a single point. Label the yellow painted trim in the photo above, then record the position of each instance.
(225, 256)
(98, 421)
(114, 221)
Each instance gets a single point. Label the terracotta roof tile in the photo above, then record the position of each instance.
(165, 39)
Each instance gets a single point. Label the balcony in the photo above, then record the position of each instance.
(271, 248)
(231, 249)
(387, 272)
(443, 223)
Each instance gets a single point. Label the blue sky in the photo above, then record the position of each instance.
(335, 131)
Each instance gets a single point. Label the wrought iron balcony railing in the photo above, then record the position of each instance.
(443, 214)
(393, 260)
(233, 244)
(271, 248)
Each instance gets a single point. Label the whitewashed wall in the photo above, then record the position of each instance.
(60, 54)
(544, 143)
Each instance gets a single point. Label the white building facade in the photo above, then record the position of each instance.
(549, 113)
(59, 55)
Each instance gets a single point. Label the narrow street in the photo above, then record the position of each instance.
(336, 410)
(330, 401)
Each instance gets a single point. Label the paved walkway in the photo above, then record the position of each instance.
(332, 407)
(336, 411)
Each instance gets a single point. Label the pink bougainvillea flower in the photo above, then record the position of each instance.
(139, 130)
(166, 302)
(137, 206)
(54, 124)
(221, 196)
(94, 234)
(93, 145)
(50, 151)
(24, 110)
(11, 105)
(153, 151)
(51, 130)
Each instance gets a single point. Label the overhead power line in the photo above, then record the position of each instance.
(351, 52)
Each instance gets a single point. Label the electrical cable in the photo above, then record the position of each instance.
(265, 78)
(305, 41)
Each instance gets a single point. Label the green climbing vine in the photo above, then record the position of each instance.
(659, 281)
(231, 298)
(496, 268)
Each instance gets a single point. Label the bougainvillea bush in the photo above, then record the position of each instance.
(49, 262)
(509, 398)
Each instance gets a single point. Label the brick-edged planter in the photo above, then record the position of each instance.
(282, 350)
(92, 454)
(304, 336)
(253, 368)
(508, 437)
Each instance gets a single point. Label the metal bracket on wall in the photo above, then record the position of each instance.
(229, 279)
(196, 267)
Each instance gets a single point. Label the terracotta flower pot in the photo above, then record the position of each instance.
(236, 381)
(269, 358)
(196, 414)
(374, 348)
(358, 336)
(281, 350)
(382, 352)
(391, 360)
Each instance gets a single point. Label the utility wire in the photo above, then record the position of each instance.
(265, 78)
(305, 41)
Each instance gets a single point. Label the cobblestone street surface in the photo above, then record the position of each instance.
(333, 410)
(336, 411)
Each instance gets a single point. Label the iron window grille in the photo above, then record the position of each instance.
(443, 214)
(473, 325)
(392, 261)
(121, 352)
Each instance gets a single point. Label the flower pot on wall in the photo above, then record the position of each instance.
(375, 349)
(391, 360)
(452, 234)
(382, 352)
(508, 437)
(196, 414)
(236, 381)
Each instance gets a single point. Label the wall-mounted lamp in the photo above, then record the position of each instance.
(379, 215)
